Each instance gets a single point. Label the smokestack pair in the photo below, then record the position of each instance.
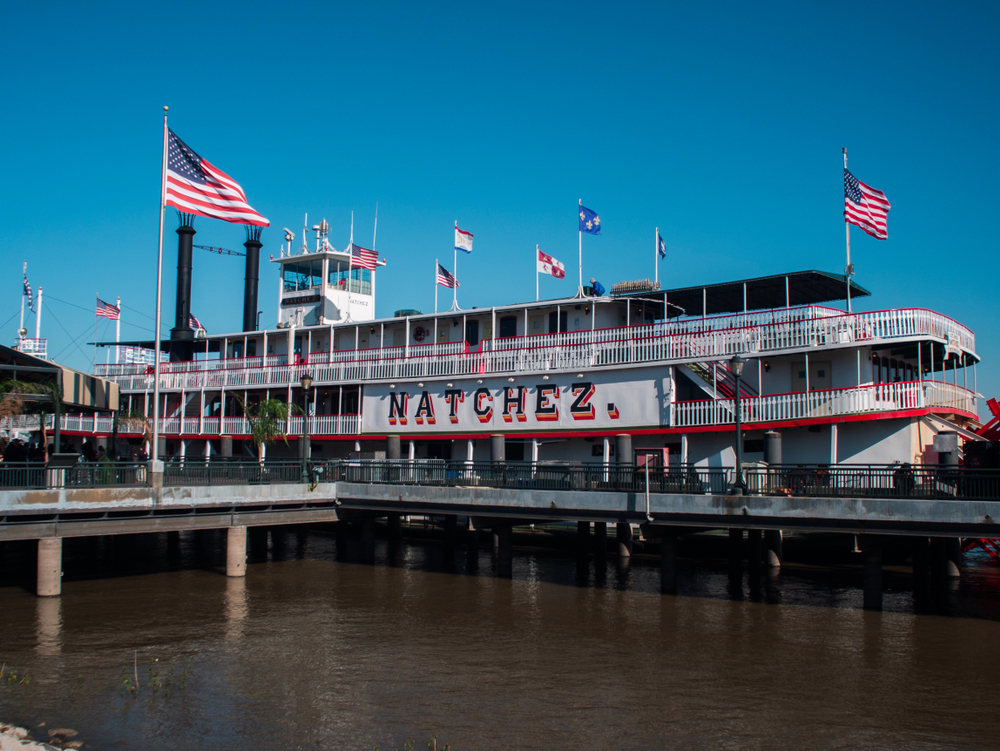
(182, 335)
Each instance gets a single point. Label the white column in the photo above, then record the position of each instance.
(413, 451)
(470, 448)
(833, 443)
(684, 448)
(534, 450)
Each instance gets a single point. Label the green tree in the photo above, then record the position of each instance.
(266, 421)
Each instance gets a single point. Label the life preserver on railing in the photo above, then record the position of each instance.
(420, 333)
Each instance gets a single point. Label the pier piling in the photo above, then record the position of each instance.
(49, 582)
(236, 551)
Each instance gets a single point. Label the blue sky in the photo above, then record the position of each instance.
(720, 123)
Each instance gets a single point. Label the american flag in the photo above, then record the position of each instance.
(107, 310)
(362, 257)
(866, 207)
(196, 187)
(194, 323)
(445, 279)
(27, 289)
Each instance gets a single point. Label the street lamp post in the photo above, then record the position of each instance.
(739, 485)
(306, 381)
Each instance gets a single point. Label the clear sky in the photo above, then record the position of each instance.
(720, 123)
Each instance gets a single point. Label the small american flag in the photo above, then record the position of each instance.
(445, 279)
(362, 257)
(27, 289)
(194, 323)
(107, 310)
(866, 207)
(196, 187)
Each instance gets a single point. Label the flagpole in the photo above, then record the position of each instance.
(536, 273)
(118, 329)
(847, 231)
(155, 448)
(656, 255)
(98, 296)
(21, 326)
(436, 264)
(580, 291)
(454, 266)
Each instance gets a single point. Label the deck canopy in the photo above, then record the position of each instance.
(762, 293)
(81, 392)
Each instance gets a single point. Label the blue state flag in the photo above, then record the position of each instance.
(590, 222)
(661, 246)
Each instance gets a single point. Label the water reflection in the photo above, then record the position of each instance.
(235, 606)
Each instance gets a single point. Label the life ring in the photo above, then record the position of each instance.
(420, 333)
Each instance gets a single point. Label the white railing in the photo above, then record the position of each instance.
(684, 341)
(802, 405)
(36, 347)
(319, 425)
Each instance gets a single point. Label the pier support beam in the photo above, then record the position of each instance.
(601, 539)
(623, 533)
(871, 551)
(754, 551)
(668, 561)
(450, 539)
(49, 582)
(368, 539)
(921, 570)
(772, 548)
(503, 544)
(583, 540)
(394, 523)
(236, 551)
(735, 550)
(953, 557)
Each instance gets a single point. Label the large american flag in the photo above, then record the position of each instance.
(196, 187)
(445, 279)
(107, 310)
(194, 323)
(362, 257)
(866, 207)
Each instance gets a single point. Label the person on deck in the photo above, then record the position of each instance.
(598, 288)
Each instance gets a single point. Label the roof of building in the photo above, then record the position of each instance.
(762, 293)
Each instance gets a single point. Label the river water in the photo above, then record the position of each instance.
(310, 652)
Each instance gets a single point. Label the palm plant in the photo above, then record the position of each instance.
(265, 421)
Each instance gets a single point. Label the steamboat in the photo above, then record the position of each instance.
(642, 375)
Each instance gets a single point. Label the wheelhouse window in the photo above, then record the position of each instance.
(356, 279)
(302, 275)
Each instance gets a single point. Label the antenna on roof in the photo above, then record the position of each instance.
(305, 232)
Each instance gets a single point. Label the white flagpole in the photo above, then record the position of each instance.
(436, 264)
(454, 270)
(847, 231)
(656, 255)
(375, 231)
(21, 326)
(118, 329)
(98, 296)
(155, 448)
(580, 291)
(536, 273)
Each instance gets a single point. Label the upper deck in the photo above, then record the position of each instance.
(711, 338)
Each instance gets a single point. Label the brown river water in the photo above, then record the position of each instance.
(309, 652)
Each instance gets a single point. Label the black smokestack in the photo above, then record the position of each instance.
(181, 335)
(252, 279)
